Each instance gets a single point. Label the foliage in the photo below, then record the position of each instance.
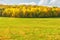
(29, 11)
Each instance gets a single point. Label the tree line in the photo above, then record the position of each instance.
(24, 11)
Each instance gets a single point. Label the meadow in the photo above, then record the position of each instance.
(29, 28)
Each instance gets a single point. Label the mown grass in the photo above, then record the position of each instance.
(29, 28)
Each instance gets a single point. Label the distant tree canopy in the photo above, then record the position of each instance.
(24, 11)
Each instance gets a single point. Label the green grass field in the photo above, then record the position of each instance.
(29, 28)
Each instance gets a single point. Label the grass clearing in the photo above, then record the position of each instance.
(29, 28)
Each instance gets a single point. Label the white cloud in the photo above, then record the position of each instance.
(17, 2)
(43, 2)
(31, 3)
(49, 3)
(52, 1)
(25, 3)
(55, 3)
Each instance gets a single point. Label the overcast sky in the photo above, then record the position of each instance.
(32, 2)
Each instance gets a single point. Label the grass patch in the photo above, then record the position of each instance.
(29, 28)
